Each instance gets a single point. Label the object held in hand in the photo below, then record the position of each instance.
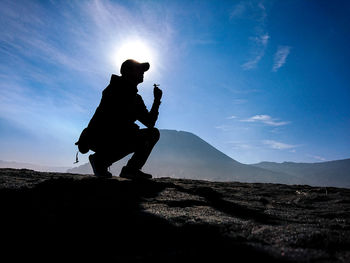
(157, 92)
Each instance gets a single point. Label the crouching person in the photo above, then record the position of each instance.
(112, 132)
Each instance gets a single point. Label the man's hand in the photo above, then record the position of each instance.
(157, 92)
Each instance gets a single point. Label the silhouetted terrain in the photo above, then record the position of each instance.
(181, 154)
(53, 216)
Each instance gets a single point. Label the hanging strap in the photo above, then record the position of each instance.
(76, 158)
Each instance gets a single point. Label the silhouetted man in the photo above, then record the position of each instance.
(112, 132)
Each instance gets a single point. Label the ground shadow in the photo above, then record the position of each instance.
(94, 219)
(216, 201)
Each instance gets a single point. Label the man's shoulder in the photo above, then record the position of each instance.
(115, 81)
(139, 97)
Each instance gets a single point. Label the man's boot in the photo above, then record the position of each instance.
(98, 168)
(133, 173)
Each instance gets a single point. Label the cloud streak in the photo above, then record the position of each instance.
(278, 145)
(223, 127)
(251, 64)
(280, 57)
(261, 38)
(240, 145)
(261, 43)
(319, 158)
(238, 10)
(265, 119)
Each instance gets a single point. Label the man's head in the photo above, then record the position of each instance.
(133, 70)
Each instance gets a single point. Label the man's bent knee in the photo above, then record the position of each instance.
(150, 135)
(155, 135)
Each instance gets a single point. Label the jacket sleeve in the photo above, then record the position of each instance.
(147, 118)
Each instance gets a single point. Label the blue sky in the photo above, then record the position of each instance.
(259, 80)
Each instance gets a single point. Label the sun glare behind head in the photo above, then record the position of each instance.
(137, 50)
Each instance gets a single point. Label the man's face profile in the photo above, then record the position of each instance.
(135, 75)
(139, 76)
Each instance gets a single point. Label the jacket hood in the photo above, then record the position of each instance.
(115, 78)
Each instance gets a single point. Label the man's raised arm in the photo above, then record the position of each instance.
(149, 118)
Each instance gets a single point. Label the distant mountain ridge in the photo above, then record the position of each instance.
(40, 168)
(334, 173)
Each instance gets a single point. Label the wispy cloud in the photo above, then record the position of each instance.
(280, 57)
(316, 157)
(266, 119)
(261, 38)
(241, 145)
(251, 64)
(231, 117)
(238, 91)
(261, 43)
(79, 36)
(238, 10)
(223, 127)
(278, 145)
(239, 101)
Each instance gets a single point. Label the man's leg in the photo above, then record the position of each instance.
(141, 144)
(99, 165)
(145, 141)
(106, 154)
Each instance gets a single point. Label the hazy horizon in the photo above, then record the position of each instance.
(258, 80)
(83, 161)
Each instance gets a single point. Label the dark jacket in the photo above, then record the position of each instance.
(119, 108)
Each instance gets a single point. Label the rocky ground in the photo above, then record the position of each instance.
(56, 216)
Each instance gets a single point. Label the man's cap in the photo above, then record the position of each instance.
(132, 65)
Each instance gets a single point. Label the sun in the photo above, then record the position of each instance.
(139, 50)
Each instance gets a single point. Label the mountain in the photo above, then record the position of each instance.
(332, 173)
(184, 155)
(40, 168)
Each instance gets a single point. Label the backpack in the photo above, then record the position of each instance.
(83, 142)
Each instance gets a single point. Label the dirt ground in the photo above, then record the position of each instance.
(56, 216)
